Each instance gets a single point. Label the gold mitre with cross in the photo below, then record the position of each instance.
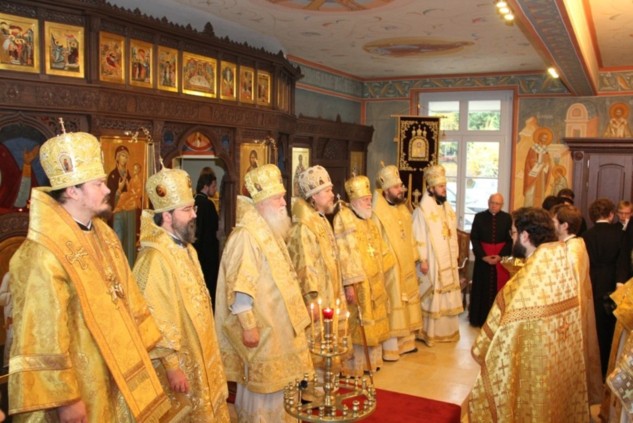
(314, 180)
(357, 187)
(169, 189)
(263, 182)
(434, 175)
(71, 159)
(388, 176)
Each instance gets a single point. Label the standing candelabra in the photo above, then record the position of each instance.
(336, 398)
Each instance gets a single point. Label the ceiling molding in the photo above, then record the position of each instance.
(549, 29)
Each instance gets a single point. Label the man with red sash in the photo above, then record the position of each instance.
(81, 327)
(490, 236)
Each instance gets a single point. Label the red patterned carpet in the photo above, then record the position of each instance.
(402, 408)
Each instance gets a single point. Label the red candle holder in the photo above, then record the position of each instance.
(328, 313)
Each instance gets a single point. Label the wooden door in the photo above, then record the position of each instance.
(610, 176)
(603, 167)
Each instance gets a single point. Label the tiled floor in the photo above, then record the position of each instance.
(445, 372)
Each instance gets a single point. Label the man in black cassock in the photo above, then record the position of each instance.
(490, 236)
(207, 245)
(608, 264)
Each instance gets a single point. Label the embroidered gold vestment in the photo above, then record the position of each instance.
(577, 253)
(81, 326)
(364, 256)
(314, 253)
(255, 262)
(171, 280)
(401, 281)
(529, 349)
(618, 401)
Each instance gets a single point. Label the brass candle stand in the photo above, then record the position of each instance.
(335, 399)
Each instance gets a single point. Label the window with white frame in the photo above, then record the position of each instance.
(475, 146)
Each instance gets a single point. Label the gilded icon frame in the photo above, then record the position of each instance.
(199, 75)
(246, 149)
(357, 163)
(263, 88)
(30, 63)
(247, 84)
(168, 69)
(71, 49)
(112, 58)
(141, 69)
(127, 205)
(228, 81)
(300, 162)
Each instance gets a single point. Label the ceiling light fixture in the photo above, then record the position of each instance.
(553, 73)
(504, 10)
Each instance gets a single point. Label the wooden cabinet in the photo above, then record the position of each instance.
(339, 147)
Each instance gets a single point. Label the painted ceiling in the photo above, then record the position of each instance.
(386, 39)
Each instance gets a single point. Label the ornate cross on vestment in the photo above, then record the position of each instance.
(76, 255)
(112, 246)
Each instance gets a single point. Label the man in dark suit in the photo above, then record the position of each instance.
(207, 245)
(624, 211)
(490, 236)
(606, 245)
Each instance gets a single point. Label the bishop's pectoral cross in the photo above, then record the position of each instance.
(371, 250)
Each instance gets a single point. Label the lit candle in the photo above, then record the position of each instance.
(312, 319)
(320, 318)
(328, 313)
(336, 317)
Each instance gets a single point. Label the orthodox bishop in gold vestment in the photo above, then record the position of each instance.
(187, 359)
(401, 283)
(313, 249)
(312, 245)
(81, 327)
(261, 317)
(364, 259)
(530, 348)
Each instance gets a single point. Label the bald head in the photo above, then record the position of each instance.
(495, 203)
